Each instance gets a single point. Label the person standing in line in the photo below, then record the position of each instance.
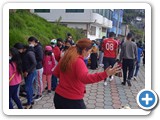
(139, 52)
(94, 56)
(48, 65)
(39, 68)
(60, 43)
(66, 47)
(15, 77)
(70, 39)
(144, 54)
(128, 56)
(57, 53)
(101, 53)
(29, 73)
(73, 76)
(110, 48)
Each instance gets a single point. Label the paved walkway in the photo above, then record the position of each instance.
(98, 96)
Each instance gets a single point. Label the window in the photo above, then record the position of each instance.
(101, 12)
(74, 10)
(104, 29)
(94, 10)
(110, 14)
(93, 30)
(41, 10)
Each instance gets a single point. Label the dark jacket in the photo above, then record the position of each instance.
(29, 60)
(39, 56)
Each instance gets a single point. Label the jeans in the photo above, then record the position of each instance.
(54, 82)
(86, 61)
(13, 94)
(101, 54)
(137, 69)
(39, 82)
(29, 86)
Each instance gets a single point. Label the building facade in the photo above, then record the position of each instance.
(94, 22)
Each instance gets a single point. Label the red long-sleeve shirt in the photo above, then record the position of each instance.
(72, 82)
(56, 52)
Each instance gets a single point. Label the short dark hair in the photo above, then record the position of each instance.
(30, 39)
(103, 37)
(69, 34)
(19, 46)
(129, 35)
(133, 40)
(111, 34)
(59, 39)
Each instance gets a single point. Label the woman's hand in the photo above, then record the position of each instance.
(111, 71)
(25, 74)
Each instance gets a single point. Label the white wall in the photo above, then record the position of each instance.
(78, 20)
(74, 25)
(98, 33)
(66, 17)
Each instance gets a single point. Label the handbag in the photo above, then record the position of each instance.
(10, 79)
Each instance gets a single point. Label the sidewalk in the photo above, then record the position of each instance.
(98, 96)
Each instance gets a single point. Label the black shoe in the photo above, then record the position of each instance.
(22, 94)
(53, 89)
(49, 91)
(38, 97)
(129, 83)
(25, 104)
(46, 88)
(123, 83)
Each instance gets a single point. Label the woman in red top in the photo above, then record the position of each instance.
(73, 75)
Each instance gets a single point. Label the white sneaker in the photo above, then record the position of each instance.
(135, 78)
(111, 78)
(101, 65)
(105, 83)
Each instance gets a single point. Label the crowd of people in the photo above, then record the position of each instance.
(62, 66)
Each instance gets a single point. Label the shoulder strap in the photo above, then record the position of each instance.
(10, 79)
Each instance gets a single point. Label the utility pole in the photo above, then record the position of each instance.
(117, 27)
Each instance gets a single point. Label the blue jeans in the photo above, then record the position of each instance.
(54, 82)
(13, 94)
(86, 61)
(101, 55)
(29, 86)
(38, 82)
(137, 69)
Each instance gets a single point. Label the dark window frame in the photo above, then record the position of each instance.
(74, 10)
(42, 10)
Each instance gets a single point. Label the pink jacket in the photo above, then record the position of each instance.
(48, 64)
(17, 79)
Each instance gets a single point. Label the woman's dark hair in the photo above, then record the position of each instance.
(17, 59)
(111, 34)
(46, 52)
(30, 39)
